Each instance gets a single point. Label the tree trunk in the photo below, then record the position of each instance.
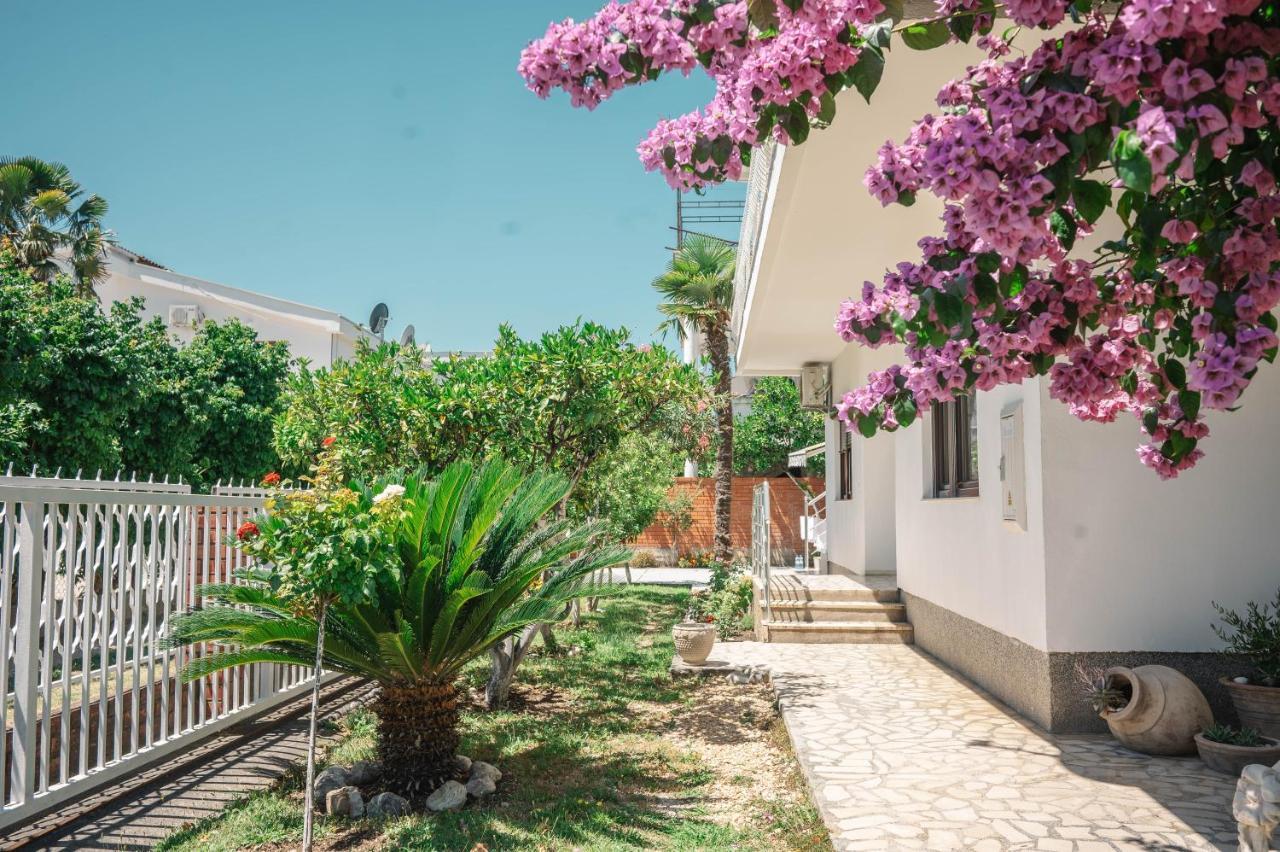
(718, 351)
(308, 798)
(417, 736)
(504, 659)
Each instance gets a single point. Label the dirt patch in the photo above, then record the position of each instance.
(737, 740)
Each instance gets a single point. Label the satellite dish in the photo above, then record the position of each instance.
(378, 318)
(406, 337)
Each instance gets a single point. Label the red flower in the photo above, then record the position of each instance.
(708, 619)
(328, 442)
(271, 478)
(248, 530)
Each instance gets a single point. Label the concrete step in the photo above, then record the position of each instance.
(789, 590)
(839, 632)
(861, 611)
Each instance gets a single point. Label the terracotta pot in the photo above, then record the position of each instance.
(1257, 706)
(1232, 759)
(693, 641)
(1165, 710)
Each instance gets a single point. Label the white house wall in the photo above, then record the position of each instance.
(1133, 562)
(957, 553)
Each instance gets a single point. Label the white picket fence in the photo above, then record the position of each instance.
(91, 574)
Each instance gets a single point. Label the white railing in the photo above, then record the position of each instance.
(760, 545)
(91, 574)
(815, 526)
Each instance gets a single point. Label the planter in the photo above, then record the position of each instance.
(1232, 759)
(693, 641)
(1257, 706)
(1164, 713)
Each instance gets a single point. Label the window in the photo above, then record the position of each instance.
(955, 447)
(846, 464)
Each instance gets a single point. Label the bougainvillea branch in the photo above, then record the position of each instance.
(1163, 111)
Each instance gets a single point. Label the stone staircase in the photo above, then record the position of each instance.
(830, 609)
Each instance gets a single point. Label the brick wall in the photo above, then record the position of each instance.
(786, 502)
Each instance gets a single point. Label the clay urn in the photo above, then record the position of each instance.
(1164, 712)
(693, 641)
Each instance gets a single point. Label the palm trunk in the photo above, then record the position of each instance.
(718, 351)
(417, 736)
(308, 799)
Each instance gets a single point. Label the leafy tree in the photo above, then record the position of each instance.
(42, 210)
(88, 389)
(472, 547)
(243, 378)
(697, 292)
(629, 486)
(775, 426)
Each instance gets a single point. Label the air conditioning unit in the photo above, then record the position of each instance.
(815, 387)
(185, 316)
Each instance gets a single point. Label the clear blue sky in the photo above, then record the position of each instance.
(341, 153)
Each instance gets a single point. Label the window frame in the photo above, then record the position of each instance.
(955, 467)
(844, 465)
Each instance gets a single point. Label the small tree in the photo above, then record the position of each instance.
(775, 426)
(325, 545)
(676, 516)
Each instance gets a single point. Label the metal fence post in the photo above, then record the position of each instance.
(26, 669)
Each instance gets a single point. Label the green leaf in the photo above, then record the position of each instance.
(866, 73)
(1132, 165)
(1091, 198)
(926, 35)
(904, 411)
(826, 110)
(1063, 225)
(989, 262)
(961, 27)
(1189, 402)
(877, 34)
(1176, 373)
(950, 309)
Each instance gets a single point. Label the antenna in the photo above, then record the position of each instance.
(378, 318)
(407, 336)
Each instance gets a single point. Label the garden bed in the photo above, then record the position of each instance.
(600, 749)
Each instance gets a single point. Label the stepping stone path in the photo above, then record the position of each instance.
(901, 753)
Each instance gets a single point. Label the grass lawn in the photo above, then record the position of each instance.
(600, 750)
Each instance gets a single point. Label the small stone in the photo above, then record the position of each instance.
(481, 786)
(463, 763)
(479, 768)
(387, 805)
(363, 771)
(330, 779)
(449, 796)
(344, 802)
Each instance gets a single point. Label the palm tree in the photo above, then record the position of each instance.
(42, 211)
(473, 546)
(697, 289)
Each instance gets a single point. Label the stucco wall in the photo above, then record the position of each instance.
(1134, 562)
(957, 553)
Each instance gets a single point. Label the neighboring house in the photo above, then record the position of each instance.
(183, 302)
(1022, 539)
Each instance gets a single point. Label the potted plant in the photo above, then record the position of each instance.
(1150, 709)
(1227, 749)
(695, 636)
(1255, 634)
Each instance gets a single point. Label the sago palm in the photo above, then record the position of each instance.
(697, 292)
(480, 557)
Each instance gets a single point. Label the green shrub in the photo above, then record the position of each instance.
(1256, 635)
(1227, 735)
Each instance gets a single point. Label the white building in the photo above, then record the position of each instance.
(1080, 553)
(183, 302)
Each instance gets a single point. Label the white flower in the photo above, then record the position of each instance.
(391, 492)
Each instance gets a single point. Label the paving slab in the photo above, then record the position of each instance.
(659, 576)
(902, 753)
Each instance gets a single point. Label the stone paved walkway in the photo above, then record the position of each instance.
(661, 576)
(901, 753)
